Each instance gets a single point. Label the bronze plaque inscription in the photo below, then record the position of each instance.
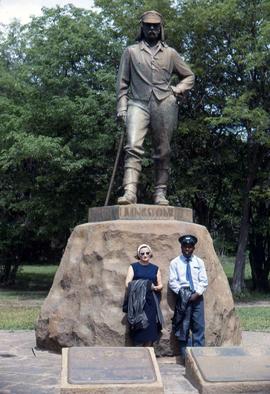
(103, 365)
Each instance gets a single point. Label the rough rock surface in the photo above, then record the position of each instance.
(84, 305)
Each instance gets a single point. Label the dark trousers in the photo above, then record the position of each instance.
(197, 327)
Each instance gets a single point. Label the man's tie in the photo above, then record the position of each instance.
(188, 274)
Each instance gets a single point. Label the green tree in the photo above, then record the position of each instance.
(58, 132)
(228, 46)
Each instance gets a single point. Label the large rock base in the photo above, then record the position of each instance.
(84, 305)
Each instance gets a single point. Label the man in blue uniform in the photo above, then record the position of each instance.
(146, 100)
(188, 280)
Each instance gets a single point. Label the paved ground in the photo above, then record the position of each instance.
(26, 370)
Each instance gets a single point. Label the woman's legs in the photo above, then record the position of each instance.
(144, 344)
(148, 344)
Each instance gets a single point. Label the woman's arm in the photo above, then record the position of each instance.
(159, 285)
(130, 275)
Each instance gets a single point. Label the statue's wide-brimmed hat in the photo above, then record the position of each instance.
(188, 239)
(151, 17)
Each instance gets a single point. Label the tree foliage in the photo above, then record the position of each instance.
(57, 128)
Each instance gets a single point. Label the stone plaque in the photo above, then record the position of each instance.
(229, 369)
(102, 370)
(110, 365)
(139, 212)
(232, 364)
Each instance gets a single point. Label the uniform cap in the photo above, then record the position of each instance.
(188, 239)
(151, 17)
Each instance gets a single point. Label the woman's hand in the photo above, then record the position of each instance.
(156, 288)
(194, 297)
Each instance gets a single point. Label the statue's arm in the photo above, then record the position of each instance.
(185, 74)
(123, 82)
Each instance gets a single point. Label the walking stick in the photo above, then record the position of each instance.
(115, 166)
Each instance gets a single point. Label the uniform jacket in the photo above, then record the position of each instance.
(136, 300)
(134, 304)
(182, 314)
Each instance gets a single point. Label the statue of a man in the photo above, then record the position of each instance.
(147, 101)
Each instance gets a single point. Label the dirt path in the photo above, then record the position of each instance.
(253, 304)
(29, 303)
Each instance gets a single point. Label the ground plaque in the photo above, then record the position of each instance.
(229, 369)
(110, 370)
(139, 212)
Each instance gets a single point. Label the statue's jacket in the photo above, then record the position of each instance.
(143, 72)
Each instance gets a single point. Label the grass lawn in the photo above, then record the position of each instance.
(20, 305)
(254, 318)
(35, 277)
(247, 295)
(18, 318)
(32, 282)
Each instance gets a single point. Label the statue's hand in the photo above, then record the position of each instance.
(177, 92)
(122, 117)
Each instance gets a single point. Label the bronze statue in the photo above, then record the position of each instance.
(147, 101)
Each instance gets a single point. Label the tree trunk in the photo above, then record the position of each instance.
(259, 248)
(9, 271)
(238, 282)
(201, 209)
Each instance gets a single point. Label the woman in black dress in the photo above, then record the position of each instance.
(143, 269)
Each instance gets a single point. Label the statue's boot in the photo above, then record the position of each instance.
(129, 197)
(130, 183)
(161, 180)
(160, 195)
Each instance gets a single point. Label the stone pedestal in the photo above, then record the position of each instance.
(229, 370)
(139, 212)
(84, 305)
(102, 370)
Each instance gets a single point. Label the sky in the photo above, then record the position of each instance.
(23, 9)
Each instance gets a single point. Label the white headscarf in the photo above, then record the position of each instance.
(143, 246)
